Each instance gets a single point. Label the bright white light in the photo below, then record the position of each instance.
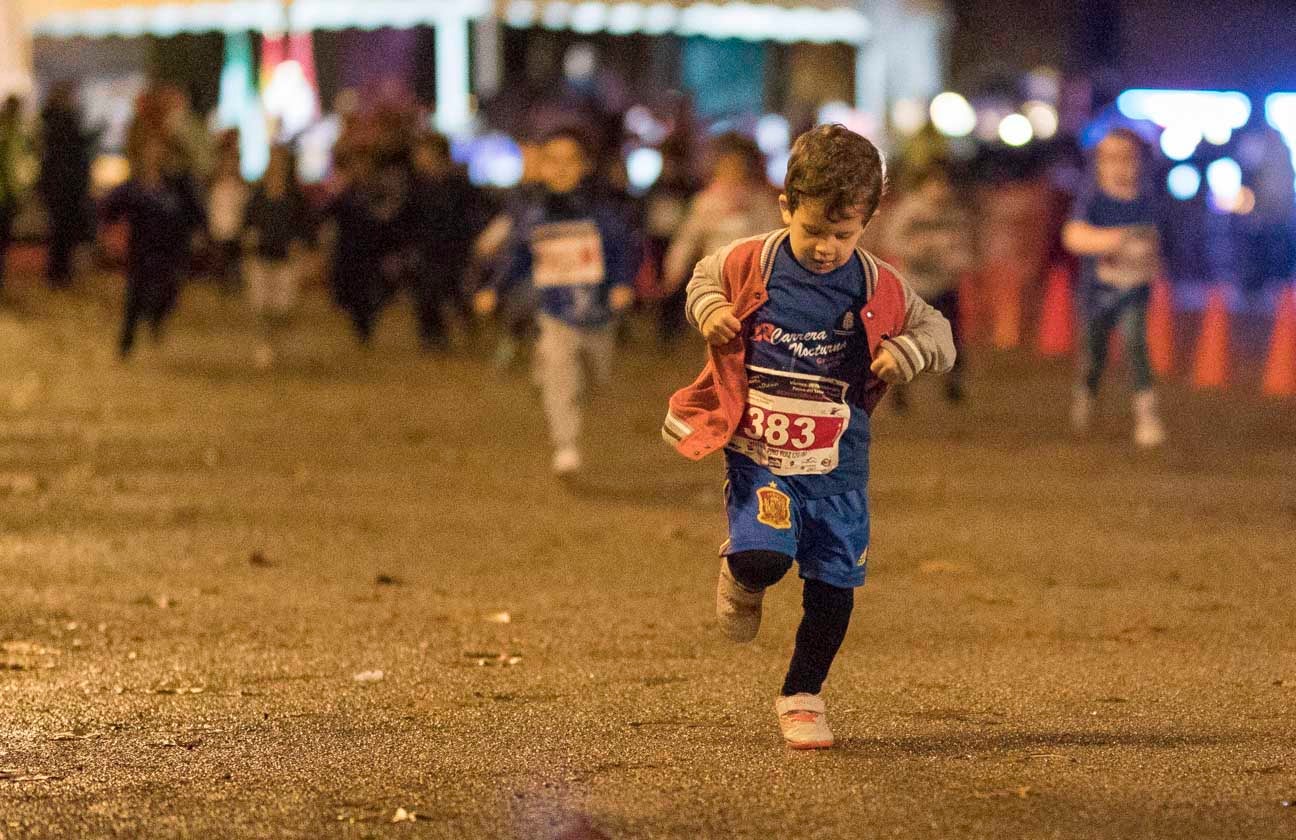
(1225, 179)
(659, 19)
(643, 168)
(1200, 108)
(1180, 141)
(1043, 118)
(952, 115)
(908, 116)
(625, 18)
(555, 15)
(1183, 181)
(1016, 130)
(588, 17)
(835, 112)
(776, 169)
(1217, 134)
(290, 97)
(495, 160)
(773, 134)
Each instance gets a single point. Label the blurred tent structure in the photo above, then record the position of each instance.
(899, 44)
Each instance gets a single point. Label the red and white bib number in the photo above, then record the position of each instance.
(567, 254)
(794, 422)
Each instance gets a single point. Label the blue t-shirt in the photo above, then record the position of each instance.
(806, 348)
(573, 250)
(1135, 264)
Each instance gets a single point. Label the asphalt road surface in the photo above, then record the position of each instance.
(344, 598)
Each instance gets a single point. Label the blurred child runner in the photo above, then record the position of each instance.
(1113, 229)
(162, 213)
(227, 198)
(930, 236)
(576, 252)
(276, 231)
(806, 331)
(738, 201)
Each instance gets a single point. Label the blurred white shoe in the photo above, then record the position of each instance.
(566, 462)
(803, 718)
(1149, 433)
(1082, 405)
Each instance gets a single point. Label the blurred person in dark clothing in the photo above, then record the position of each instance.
(364, 240)
(162, 213)
(64, 183)
(277, 228)
(445, 214)
(12, 149)
(227, 198)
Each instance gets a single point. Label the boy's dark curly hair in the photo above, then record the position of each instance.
(832, 164)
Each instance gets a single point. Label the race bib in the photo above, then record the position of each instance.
(794, 422)
(567, 254)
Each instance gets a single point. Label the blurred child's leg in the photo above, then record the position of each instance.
(133, 311)
(1148, 430)
(559, 375)
(947, 304)
(827, 612)
(1101, 315)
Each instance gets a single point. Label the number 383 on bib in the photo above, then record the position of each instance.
(793, 422)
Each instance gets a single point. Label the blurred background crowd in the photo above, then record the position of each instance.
(394, 148)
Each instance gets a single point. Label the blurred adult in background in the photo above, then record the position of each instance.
(162, 212)
(445, 215)
(361, 241)
(67, 151)
(737, 202)
(516, 306)
(665, 208)
(227, 198)
(277, 230)
(12, 151)
(929, 233)
(1270, 251)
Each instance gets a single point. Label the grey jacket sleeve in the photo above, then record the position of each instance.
(926, 345)
(705, 293)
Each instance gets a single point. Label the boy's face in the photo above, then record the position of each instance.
(562, 165)
(821, 244)
(1118, 166)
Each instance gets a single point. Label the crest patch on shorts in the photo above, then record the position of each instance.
(863, 557)
(775, 507)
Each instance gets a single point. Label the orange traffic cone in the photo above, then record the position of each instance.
(1057, 315)
(1280, 371)
(1210, 367)
(1006, 287)
(1160, 327)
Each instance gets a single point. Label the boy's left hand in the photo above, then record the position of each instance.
(886, 368)
(620, 298)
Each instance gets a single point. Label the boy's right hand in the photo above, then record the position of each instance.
(721, 325)
(484, 302)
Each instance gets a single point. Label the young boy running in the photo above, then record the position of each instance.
(1113, 229)
(806, 331)
(576, 253)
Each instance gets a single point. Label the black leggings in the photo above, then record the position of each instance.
(826, 612)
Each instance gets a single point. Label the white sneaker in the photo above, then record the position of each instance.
(803, 719)
(737, 607)
(1082, 405)
(566, 462)
(1149, 433)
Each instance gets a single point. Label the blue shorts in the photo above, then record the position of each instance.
(829, 537)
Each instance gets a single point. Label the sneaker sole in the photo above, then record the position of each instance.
(810, 745)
